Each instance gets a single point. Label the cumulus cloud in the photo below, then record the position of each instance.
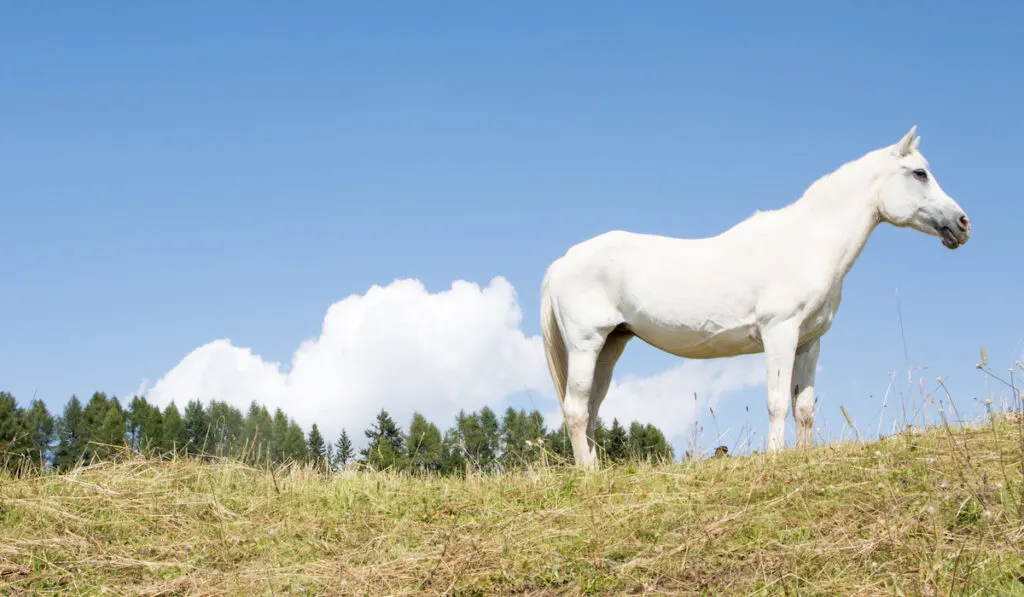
(405, 349)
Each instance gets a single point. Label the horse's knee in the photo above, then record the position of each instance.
(577, 385)
(580, 376)
(778, 406)
(576, 405)
(576, 409)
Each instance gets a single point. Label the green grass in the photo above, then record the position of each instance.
(929, 513)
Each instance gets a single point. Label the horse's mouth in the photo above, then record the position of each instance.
(949, 239)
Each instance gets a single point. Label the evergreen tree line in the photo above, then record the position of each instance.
(103, 429)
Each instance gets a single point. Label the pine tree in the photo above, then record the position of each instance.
(150, 430)
(386, 447)
(637, 441)
(138, 411)
(513, 438)
(343, 451)
(600, 437)
(279, 436)
(94, 414)
(226, 423)
(424, 445)
(617, 444)
(258, 432)
(473, 440)
(14, 435)
(536, 434)
(71, 435)
(295, 443)
(490, 431)
(520, 437)
(252, 430)
(647, 442)
(173, 432)
(558, 443)
(40, 427)
(195, 425)
(234, 428)
(453, 453)
(657, 445)
(111, 432)
(317, 447)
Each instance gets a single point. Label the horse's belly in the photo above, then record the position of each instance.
(695, 343)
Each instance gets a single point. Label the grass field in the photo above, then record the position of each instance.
(928, 513)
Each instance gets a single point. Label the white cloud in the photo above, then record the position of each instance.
(405, 349)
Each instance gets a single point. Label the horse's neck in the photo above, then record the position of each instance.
(839, 224)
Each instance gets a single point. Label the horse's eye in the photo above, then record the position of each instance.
(921, 175)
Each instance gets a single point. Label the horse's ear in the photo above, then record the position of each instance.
(906, 144)
(916, 143)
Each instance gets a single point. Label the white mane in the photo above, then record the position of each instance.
(832, 186)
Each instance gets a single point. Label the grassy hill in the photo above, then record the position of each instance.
(929, 513)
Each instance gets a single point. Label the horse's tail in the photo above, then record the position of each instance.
(554, 344)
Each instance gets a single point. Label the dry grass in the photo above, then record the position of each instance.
(919, 514)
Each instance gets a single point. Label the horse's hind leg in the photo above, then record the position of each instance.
(804, 367)
(614, 344)
(576, 404)
(584, 348)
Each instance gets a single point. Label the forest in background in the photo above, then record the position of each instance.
(482, 440)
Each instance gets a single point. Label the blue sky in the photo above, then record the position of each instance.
(177, 173)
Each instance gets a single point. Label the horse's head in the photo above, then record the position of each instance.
(910, 196)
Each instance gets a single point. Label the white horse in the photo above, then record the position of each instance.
(771, 284)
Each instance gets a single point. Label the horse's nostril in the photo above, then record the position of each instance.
(964, 222)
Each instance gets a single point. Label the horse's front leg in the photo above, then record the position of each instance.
(780, 342)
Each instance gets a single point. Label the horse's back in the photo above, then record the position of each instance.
(616, 246)
(613, 239)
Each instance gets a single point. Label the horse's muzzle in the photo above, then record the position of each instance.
(956, 233)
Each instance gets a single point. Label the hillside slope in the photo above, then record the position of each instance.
(937, 512)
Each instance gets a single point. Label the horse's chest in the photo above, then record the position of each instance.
(819, 320)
